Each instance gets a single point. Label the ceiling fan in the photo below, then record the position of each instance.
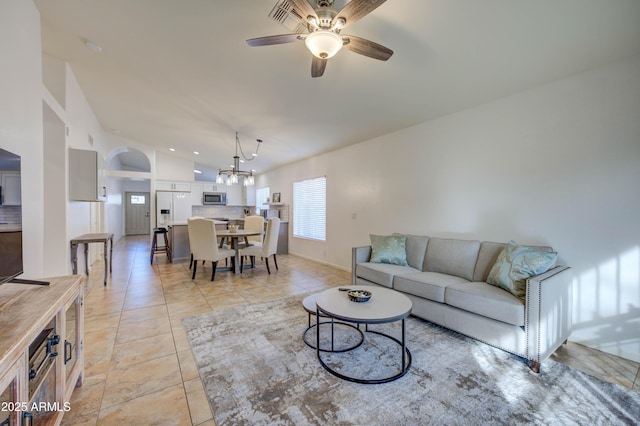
(324, 25)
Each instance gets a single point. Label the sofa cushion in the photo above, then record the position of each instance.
(429, 285)
(517, 263)
(382, 273)
(390, 249)
(486, 300)
(453, 257)
(486, 258)
(416, 249)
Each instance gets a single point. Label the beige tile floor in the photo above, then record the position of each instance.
(138, 365)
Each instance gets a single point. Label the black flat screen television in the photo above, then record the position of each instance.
(11, 264)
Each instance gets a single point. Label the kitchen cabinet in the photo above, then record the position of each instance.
(87, 176)
(249, 195)
(179, 241)
(283, 238)
(234, 195)
(173, 186)
(212, 187)
(196, 194)
(30, 310)
(240, 195)
(198, 188)
(11, 189)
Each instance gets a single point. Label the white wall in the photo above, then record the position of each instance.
(82, 122)
(169, 167)
(56, 245)
(556, 165)
(21, 118)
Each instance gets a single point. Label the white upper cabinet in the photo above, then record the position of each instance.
(234, 195)
(162, 185)
(212, 187)
(87, 176)
(196, 194)
(249, 195)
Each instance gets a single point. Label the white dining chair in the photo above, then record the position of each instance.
(268, 248)
(189, 235)
(204, 244)
(254, 223)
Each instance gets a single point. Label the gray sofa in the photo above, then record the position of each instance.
(446, 281)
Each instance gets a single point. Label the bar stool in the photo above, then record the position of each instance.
(162, 249)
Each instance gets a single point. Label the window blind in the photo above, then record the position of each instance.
(310, 208)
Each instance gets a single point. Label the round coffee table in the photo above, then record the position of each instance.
(309, 304)
(385, 306)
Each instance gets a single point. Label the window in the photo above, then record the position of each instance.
(138, 199)
(263, 196)
(310, 209)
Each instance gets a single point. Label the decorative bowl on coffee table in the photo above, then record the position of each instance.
(359, 296)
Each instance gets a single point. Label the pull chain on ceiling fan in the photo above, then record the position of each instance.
(324, 24)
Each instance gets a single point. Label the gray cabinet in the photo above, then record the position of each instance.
(283, 238)
(87, 176)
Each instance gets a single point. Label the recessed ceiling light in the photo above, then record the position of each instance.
(93, 46)
(196, 171)
(172, 149)
(196, 152)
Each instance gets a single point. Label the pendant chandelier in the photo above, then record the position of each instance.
(234, 171)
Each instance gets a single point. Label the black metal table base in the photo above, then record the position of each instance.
(333, 324)
(405, 366)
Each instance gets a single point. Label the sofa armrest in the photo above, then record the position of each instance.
(548, 313)
(358, 255)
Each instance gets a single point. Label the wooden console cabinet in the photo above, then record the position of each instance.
(25, 311)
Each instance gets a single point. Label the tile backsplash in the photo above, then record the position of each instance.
(228, 212)
(11, 214)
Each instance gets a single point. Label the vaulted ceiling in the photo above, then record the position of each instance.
(178, 73)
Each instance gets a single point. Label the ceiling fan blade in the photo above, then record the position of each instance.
(317, 67)
(303, 7)
(367, 47)
(275, 39)
(356, 9)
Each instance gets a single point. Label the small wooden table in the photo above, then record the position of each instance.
(235, 236)
(92, 238)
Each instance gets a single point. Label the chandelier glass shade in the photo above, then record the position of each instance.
(232, 174)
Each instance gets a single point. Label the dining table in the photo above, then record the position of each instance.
(235, 236)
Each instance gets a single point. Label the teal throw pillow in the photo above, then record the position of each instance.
(517, 263)
(390, 249)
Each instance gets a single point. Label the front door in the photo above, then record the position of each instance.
(136, 211)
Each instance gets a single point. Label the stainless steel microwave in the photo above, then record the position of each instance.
(214, 198)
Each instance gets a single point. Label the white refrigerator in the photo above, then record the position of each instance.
(172, 208)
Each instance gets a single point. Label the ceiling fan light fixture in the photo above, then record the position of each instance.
(323, 44)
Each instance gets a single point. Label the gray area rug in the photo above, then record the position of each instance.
(257, 370)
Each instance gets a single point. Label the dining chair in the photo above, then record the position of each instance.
(268, 247)
(204, 244)
(189, 235)
(254, 223)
